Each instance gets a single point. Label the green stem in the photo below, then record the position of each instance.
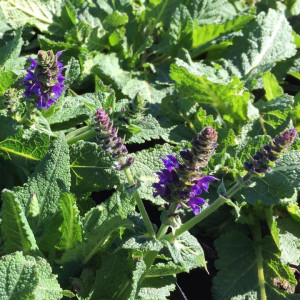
(140, 204)
(83, 133)
(163, 228)
(257, 237)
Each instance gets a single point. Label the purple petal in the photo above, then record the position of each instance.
(59, 53)
(29, 76)
(33, 63)
(160, 190)
(204, 182)
(194, 204)
(56, 90)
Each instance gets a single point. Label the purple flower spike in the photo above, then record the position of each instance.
(267, 156)
(44, 79)
(108, 138)
(184, 183)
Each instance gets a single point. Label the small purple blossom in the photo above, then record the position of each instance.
(44, 79)
(184, 183)
(171, 162)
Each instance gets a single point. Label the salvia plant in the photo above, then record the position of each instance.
(149, 149)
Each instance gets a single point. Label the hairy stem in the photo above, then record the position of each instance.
(163, 228)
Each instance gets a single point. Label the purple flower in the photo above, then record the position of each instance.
(184, 183)
(196, 190)
(44, 79)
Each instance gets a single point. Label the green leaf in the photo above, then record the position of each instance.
(157, 288)
(119, 204)
(96, 241)
(40, 14)
(266, 40)
(229, 100)
(148, 128)
(279, 184)
(51, 177)
(272, 88)
(115, 19)
(25, 146)
(186, 251)
(71, 227)
(72, 70)
(238, 269)
(79, 33)
(70, 113)
(15, 228)
(107, 67)
(11, 51)
(275, 115)
(139, 240)
(209, 12)
(113, 274)
(26, 277)
(289, 240)
(7, 78)
(204, 35)
(92, 168)
(162, 269)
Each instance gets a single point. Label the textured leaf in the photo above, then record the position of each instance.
(25, 146)
(79, 33)
(108, 68)
(26, 277)
(265, 41)
(278, 184)
(15, 228)
(149, 129)
(275, 115)
(38, 13)
(73, 70)
(111, 277)
(230, 100)
(139, 240)
(96, 241)
(70, 113)
(11, 51)
(51, 176)
(187, 252)
(289, 240)
(92, 168)
(71, 227)
(208, 12)
(7, 78)
(157, 288)
(204, 35)
(237, 277)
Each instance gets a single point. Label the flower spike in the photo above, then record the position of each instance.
(110, 141)
(44, 78)
(267, 156)
(184, 183)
